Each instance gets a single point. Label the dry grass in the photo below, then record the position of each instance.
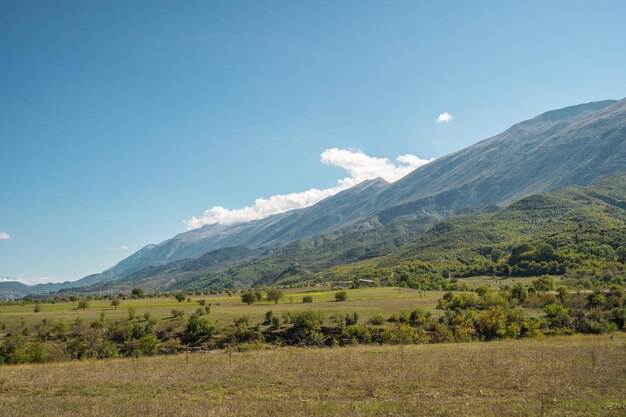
(565, 376)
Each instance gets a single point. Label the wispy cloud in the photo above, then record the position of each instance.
(360, 167)
(444, 118)
(122, 247)
(30, 280)
(4, 236)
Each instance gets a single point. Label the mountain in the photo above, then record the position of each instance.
(13, 290)
(330, 214)
(574, 145)
(584, 224)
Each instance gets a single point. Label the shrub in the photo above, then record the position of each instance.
(138, 292)
(198, 329)
(248, 298)
(341, 296)
(307, 299)
(377, 319)
(543, 283)
(351, 319)
(178, 314)
(83, 304)
(148, 344)
(275, 323)
(492, 323)
(358, 333)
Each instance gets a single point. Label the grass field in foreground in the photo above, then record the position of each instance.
(559, 376)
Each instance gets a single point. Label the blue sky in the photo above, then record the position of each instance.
(119, 120)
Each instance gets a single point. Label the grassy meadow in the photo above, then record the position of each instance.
(579, 375)
(224, 309)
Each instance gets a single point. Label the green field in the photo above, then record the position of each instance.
(224, 309)
(558, 376)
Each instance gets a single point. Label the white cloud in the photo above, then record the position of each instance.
(4, 236)
(360, 167)
(124, 247)
(444, 118)
(30, 280)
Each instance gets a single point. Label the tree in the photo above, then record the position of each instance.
(83, 304)
(115, 302)
(274, 294)
(248, 297)
(181, 296)
(621, 254)
(37, 308)
(73, 299)
(307, 299)
(178, 314)
(544, 252)
(341, 296)
(198, 328)
(148, 344)
(492, 323)
(496, 254)
(138, 292)
(544, 283)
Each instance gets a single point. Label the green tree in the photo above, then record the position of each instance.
(138, 292)
(496, 254)
(198, 329)
(181, 296)
(73, 299)
(115, 302)
(544, 283)
(274, 294)
(621, 254)
(492, 323)
(83, 304)
(248, 297)
(148, 344)
(341, 296)
(544, 252)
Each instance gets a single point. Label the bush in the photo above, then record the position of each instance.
(198, 329)
(177, 314)
(148, 344)
(341, 296)
(307, 299)
(248, 298)
(377, 319)
(492, 323)
(543, 283)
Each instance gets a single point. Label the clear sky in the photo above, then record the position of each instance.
(119, 120)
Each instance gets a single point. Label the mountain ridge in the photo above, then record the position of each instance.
(572, 145)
